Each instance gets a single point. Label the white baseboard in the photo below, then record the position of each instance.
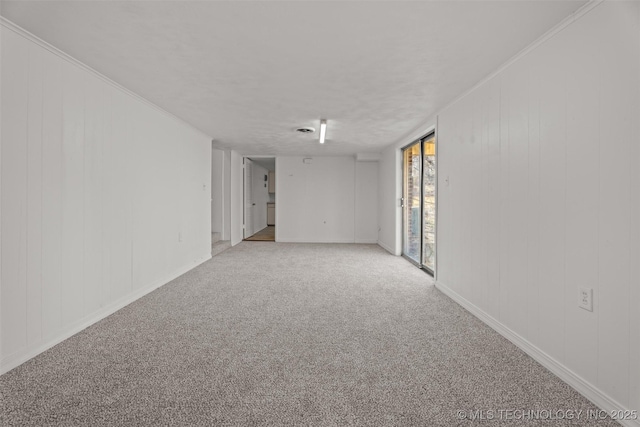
(387, 248)
(16, 359)
(367, 241)
(588, 390)
(286, 240)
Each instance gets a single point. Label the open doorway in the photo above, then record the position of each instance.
(259, 199)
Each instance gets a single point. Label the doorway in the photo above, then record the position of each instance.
(259, 199)
(419, 202)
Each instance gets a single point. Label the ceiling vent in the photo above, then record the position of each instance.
(305, 130)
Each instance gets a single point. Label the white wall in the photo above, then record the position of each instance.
(389, 210)
(236, 177)
(260, 194)
(217, 190)
(104, 197)
(221, 192)
(316, 202)
(366, 202)
(226, 193)
(543, 198)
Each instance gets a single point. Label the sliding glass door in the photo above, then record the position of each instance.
(419, 202)
(429, 203)
(411, 224)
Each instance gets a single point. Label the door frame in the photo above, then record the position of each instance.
(251, 157)
(244, 199)
(432, 133)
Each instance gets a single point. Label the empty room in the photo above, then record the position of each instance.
(399, 213)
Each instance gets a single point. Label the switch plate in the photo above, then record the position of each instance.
(585, 298)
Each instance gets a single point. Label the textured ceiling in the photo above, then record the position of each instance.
(249, 73)
(269, 163)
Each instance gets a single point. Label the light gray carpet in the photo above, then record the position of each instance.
(219, 247)
(286, 334)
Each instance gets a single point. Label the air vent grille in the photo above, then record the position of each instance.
(305, 130)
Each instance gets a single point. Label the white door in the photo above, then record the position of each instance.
(248, 199)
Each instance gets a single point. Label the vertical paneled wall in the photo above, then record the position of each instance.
(236, 177)
(326, 199)
(539, 195)
(315, 200)
(217, 190)
(389, 210)
(103, 198)
(366, 202)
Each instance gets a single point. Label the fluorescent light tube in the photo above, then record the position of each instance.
(323, 130)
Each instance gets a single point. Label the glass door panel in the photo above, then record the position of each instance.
(429, 203)
(411, 212)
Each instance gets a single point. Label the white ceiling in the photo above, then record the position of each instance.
(269, 163)
(248, 73)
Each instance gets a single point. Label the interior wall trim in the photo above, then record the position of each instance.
(585, 388)
(286, 240)
(35, 39)
(12, 361)
(366, 241)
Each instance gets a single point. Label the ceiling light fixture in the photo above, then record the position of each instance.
(323, 130)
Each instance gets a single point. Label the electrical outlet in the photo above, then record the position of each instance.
(179, 237)
(585, 298)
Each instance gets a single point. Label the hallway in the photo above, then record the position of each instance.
(267, 234)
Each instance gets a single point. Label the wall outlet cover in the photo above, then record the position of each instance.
(585, 298)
